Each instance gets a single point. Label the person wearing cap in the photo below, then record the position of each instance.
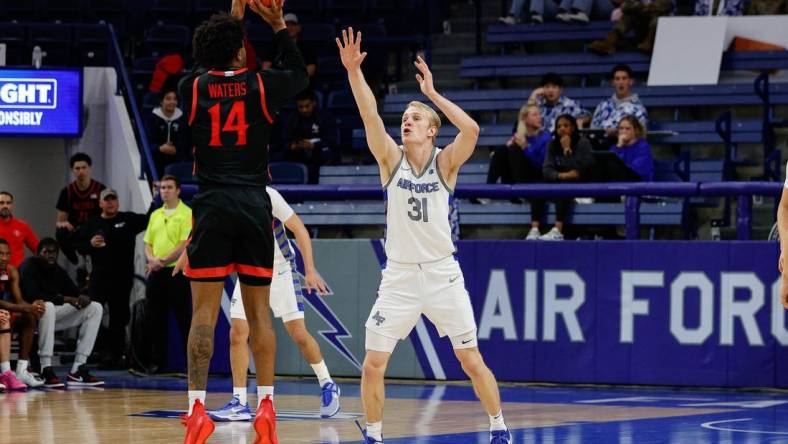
(552, 102)
(109, 239)
(307, 51)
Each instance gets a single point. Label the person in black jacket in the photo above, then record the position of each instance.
(166, 129)
(109, 239)
(568, 159)
(43, 279)
(309, 136)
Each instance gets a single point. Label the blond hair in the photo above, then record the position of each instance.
(524, 110)
(432, 116)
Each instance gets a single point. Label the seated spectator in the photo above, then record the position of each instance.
(307, 51)
(622, 103)
(43, 279)
(165, 239)
(633, 148)
(563, 10)
(26, 314)
(78, 202)
(308, 136)
(16, 231)
(552, 102)
(719, 7)
(638, 18)
(166, 128)
(521, 159)
(110, 239)
(568, 159)
(537, 8)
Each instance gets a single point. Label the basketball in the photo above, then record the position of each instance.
(267, 3)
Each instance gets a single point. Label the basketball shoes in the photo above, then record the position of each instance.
(8, 379)
(50, 378)
(83, 378)
(329, 400)
(232, 411)
(265, 423)
(500, 437)
(198, 425)
(367, 439)
(29, 379)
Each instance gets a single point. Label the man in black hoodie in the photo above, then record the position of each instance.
(110, 239)
(166, 129)
(43, 279)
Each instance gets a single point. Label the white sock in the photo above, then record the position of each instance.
(375, 430)
(195, 395)
(496, 422)
(321, 371)
(21, 366)
(240, 393)
(262, 392)
(5, 366)
(46, 361)
(78, 360)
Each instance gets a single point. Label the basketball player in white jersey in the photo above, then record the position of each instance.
(421, 275)
(286, 304)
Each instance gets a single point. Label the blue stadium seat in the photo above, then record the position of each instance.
(345, 10)
(181, 170)
(306, 10)
(17, 10)
(13, 35)
(289, 173)
(62, 10)
(56, 40)
(547, 32)
(93, 44)
(167, 39)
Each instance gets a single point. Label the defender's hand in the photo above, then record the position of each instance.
(425, 77)
(350, 49)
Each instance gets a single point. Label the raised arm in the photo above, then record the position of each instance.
(313, 279)
(456, 153)
(782, 227)
(380, 143)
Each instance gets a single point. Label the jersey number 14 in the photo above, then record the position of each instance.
(236, 122)
(419, 210)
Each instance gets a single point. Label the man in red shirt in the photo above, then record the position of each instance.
(77, 202)
(16, 231)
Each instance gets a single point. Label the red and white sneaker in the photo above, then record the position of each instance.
(198, 425)
(50, 378)
(83, 378)
(265, 423)
(8, 379)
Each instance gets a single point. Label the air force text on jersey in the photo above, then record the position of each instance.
(406, 184)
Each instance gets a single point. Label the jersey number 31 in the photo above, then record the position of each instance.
(419, 210)
(236, 122)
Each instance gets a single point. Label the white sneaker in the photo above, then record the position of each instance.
(28, 379)
(565, 17)
(533, 234)
(579, 16)
(509, 20)
(536, 18)
(552, 235)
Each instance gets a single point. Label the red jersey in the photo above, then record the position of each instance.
(18, 234)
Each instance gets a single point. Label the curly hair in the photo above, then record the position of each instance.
(217, 40)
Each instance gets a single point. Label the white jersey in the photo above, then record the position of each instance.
(417, 213)
(281, 211)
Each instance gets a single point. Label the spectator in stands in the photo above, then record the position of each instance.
(43, 279)
(521, 159)
(167, 132)
(165, 239)
(639, 18)
(568, 159)
(538, 10)
(78, 202)
(307, 51)
(633, 148)
(109, 239)
(308, 136)
(26, 314)
(719, 7)
(552, 102)
(562, 10)
(622, 103)
(16, 231)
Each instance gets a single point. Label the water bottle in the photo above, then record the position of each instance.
(715, 229)
(446, 27)
(37, 56)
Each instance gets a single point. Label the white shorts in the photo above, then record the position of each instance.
(407, 291)
(286, 299)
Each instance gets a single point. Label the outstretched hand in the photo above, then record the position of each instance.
(425, 77)
(237, 9)
(350, 49)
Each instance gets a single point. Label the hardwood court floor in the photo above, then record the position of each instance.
(144, 410)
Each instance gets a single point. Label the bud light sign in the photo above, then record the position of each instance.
(41, 102)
